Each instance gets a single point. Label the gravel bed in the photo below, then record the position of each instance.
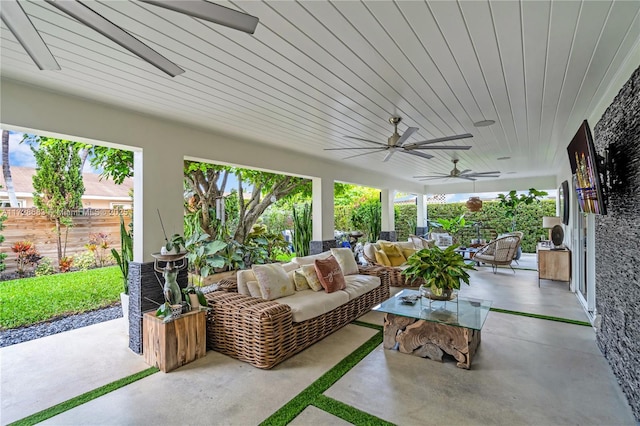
(24, 334)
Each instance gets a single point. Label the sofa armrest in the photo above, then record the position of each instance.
(381, 272)
(248, 328)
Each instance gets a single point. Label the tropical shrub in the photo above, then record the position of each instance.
(84, 261)
(368, 218)
(3, 256)
(302, 230)
(45, 267)
(26, 256)
(99, 246)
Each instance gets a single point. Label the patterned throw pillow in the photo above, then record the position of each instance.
(346, 260)
(311, 275)
(274, 281)
(330, 274)
(300, 280)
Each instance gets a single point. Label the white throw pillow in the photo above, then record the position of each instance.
(254, 289)
(345, 259)
(274, 281)
(311, 275)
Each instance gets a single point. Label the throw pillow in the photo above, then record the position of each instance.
(254, 289)
(274, 281)
(444, 240)
(330, 274)
(311, 275)
(396, 258)
(407, 252)
(382, 258)
(300, 280)
(417, 242)
(345, 259)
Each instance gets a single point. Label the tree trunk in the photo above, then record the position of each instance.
(57, 220)
(6, 170)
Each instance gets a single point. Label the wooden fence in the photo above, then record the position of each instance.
(31, 225)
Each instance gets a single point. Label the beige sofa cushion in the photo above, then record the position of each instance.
(308, 260)
(274, 281)
(357, 285)
(307, 304)
(346, 260)
(246, 275)
(311, 275)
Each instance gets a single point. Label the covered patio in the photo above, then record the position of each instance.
(318, 77)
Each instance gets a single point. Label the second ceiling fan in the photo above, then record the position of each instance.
(464, 174)
(397, 143)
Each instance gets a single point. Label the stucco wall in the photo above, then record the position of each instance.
(618, 238)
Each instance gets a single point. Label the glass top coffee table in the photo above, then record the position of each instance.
(430, 328)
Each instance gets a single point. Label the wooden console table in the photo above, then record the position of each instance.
(173, 344)
(553, 264)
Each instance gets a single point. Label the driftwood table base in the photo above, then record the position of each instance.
(430, 339)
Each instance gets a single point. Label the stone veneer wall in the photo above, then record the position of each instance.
(145, 294)
(618, 239)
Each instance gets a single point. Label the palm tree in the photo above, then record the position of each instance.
(6, 170)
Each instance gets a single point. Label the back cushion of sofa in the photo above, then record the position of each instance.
(346, 260)
(274, 281)
(244, 276)
(308, 260)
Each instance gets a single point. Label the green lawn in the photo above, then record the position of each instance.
(30, 300)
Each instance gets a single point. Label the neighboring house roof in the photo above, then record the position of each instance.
(93, 186)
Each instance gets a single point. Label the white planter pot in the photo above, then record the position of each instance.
(124, 301)
(195, 303)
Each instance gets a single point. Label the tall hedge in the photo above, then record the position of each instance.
(494, 221)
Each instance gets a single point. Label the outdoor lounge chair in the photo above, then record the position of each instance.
(498, 252)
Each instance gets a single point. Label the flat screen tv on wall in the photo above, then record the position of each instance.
(585, 168)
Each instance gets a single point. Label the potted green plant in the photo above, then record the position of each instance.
(194, 297)
(441, 270)
(453, 226)
(123, 257)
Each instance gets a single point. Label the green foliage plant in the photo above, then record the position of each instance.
(26, 256)
(510, 202)
(368, 217)
(453, 226)
(264, 246)
(232, 255)
(201, 253)
(405, 220)
(57, 183)
(125, 255)
(84, 261)
(302, 230)
(440, 269)
(45, 267)
(194, 290)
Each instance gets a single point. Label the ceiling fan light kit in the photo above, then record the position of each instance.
(27, 35)
(484, 123)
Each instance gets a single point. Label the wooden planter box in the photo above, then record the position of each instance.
(173, 344)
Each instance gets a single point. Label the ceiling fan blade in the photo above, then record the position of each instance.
(481, 176)
(465, 178)
(443, 139)
(461, 148)
(212, 12)
(22, 28)
(432, 176)
(389, 155)
(437, 177)
(465, 171)
(366, 140)
(485, 173)
(406, 135)
(366, 153)
(94, 20)
(419, 154)
(337, 149)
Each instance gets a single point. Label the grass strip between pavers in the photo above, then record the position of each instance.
(369, 325)
(347, 412)
(307, 397)
(544, 317)
(82, 399)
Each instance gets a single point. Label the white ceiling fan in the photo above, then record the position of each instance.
(397, 143)
(464, 174)
(27, 35)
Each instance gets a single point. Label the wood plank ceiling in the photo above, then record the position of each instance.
(316, 71)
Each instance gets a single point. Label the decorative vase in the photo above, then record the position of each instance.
(176, 311)
(195, 303)
(447, 293)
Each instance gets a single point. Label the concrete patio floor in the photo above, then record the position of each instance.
(526, 371)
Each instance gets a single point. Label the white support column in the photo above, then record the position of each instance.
(422, 219)
(388, 231)
(157, 185)
(323, 214)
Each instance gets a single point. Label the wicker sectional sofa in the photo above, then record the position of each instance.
(264, 333)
